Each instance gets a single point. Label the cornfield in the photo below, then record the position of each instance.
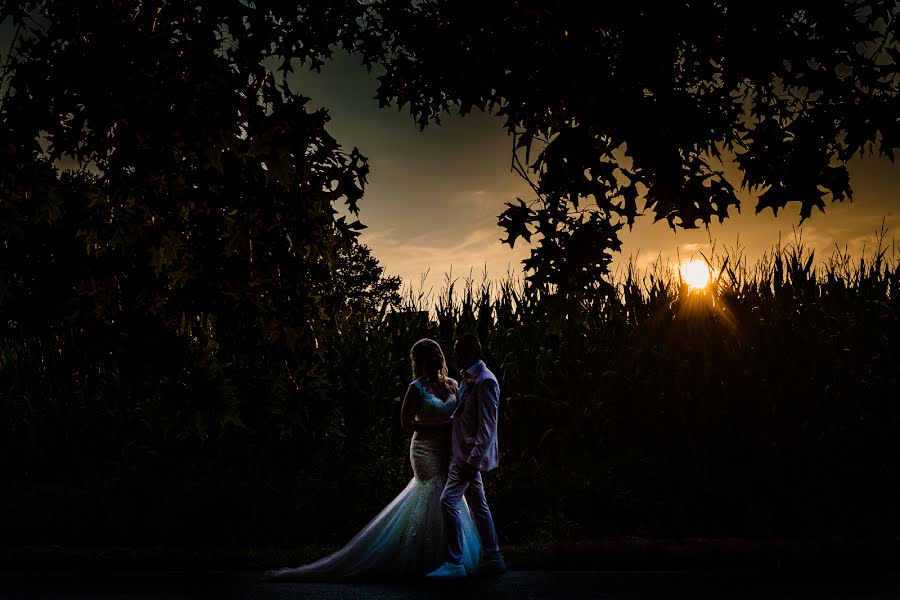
(765, 405)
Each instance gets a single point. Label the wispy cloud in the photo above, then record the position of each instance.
(462, 252)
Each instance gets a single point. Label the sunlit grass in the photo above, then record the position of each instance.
(783, 270)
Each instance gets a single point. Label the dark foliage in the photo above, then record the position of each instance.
(763, 408)
(617, 104)
(170, 246)
(195, 349)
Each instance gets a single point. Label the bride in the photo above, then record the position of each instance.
(407, 537)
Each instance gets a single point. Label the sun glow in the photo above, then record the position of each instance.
(696, 274)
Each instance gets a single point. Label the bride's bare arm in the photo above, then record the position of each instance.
(410, 407)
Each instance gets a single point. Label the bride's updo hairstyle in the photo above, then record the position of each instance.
(428, 360)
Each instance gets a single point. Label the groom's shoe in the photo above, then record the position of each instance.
(491, 566)
(448, 571)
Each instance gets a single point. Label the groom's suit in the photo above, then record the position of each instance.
(473, 450)
(474, 437)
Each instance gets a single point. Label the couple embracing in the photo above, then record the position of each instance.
(440, 525)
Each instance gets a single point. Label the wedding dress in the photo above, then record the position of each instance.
(407, 537)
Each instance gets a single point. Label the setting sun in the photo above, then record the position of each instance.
(696, 274)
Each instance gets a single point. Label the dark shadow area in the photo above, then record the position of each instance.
(197, 352)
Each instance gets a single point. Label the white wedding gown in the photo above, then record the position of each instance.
(407, 537)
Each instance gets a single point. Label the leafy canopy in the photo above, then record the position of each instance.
(169, 208)
(615, 102)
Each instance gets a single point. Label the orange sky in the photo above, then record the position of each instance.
(434, 196)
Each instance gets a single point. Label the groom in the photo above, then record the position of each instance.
(473, 450)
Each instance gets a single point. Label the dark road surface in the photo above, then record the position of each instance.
(514, 584)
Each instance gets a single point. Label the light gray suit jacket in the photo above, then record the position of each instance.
(474, 430)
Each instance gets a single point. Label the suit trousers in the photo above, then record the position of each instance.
(463, 482)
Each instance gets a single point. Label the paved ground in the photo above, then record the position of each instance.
(515, 584)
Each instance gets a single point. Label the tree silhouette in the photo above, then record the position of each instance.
(178, 293)
(168, 206)
(611, 103)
